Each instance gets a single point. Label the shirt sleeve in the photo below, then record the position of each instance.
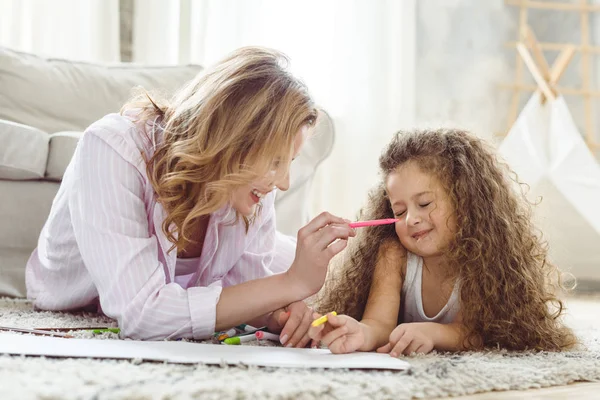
(110, 221)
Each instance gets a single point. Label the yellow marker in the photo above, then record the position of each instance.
(322, 320)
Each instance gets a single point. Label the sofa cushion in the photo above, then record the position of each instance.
(62, 147)
(23, 151)
(59, 95)
(24, 207)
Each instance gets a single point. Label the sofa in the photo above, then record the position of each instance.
(46, 104)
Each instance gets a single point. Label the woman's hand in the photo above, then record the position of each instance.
(341, 333)
(318, 242)
(293, 322)
(414, 337)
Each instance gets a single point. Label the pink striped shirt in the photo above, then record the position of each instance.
(103, 244)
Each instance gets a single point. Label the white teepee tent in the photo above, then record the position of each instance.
(546, 150)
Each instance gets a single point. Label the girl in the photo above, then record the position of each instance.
(462, 268)
(165, 217)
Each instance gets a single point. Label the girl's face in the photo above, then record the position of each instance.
(245, 198)
(426, 220)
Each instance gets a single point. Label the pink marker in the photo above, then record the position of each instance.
(374, 222)
(267, 335)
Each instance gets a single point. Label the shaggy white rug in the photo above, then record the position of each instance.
(433, 375)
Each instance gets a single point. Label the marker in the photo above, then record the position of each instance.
(113, 330)
(322, 320)
(224, 335)
(247, 328)
(267, 335)
(374, 222)
(239, 339)
(231, 332)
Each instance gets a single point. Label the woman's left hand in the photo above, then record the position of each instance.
(414, 337)
(293, 321)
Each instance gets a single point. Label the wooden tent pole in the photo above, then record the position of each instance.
(535, 71)
(539, 58)
(538, 54)
(561, 63)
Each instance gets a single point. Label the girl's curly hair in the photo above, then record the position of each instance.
(507, 285)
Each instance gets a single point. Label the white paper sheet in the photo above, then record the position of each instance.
(190, 353)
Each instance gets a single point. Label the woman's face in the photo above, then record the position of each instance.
(245, 198)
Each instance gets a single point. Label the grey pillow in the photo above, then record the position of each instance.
(23, 151)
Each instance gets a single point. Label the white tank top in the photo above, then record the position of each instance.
(411, 303)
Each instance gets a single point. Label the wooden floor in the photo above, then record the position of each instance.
(583, 391)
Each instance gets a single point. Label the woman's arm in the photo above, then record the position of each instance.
(383, 305)
(251, 300)
(269, 252)
(320, 240)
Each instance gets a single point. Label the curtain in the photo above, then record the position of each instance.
(356, 56)
(85, 30)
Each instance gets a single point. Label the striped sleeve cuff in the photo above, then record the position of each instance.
(203, 309)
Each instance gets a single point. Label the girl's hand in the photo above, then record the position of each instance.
(293, 322)
(341, 333)
(414, 337)
(318, 242)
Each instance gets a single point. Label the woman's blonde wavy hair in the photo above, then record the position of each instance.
(507, 285)
(221, 131)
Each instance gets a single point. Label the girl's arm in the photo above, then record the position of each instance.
(383, 305)
(423, 337)
(344, 334)
(451, 337)
(447, 337)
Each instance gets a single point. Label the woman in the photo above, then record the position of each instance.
(165, 216)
